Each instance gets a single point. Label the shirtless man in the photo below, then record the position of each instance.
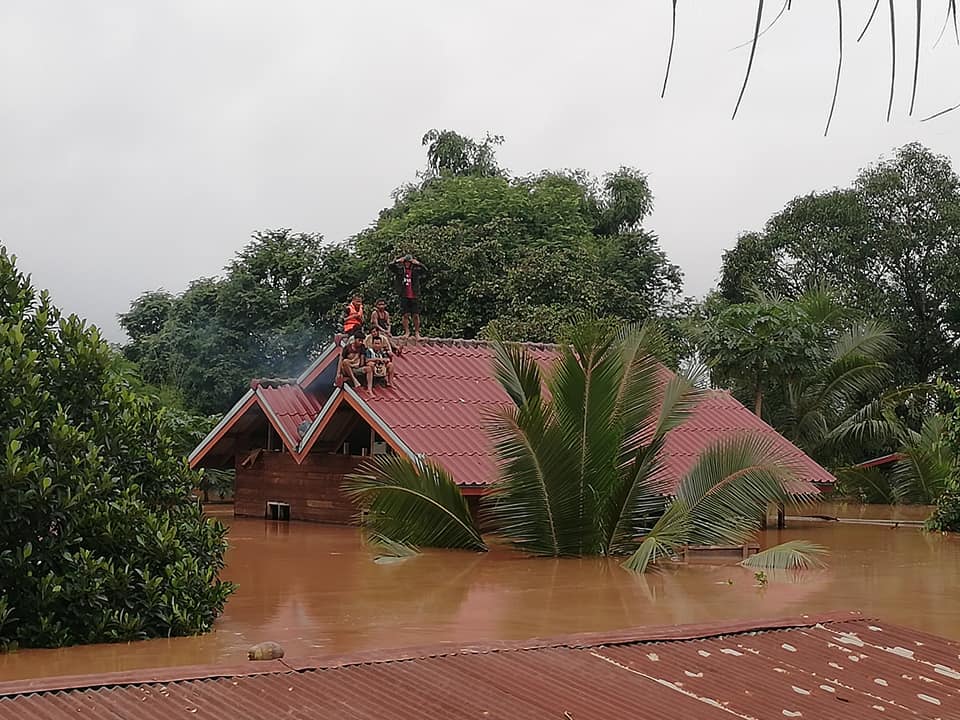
(353, 362)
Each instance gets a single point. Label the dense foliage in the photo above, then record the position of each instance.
(100, 536)
(276, 302)
(580, 453)
(889, 244)
(812, 367)
(514, 255)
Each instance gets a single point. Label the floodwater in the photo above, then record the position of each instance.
(317, 591)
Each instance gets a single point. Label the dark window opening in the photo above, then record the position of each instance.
(278, 511)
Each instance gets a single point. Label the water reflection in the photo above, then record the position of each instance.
(316, 590)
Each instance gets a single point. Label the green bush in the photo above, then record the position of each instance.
(946, 514)
(101, 538)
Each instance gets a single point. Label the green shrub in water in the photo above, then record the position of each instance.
(100, 537)
(946, 514)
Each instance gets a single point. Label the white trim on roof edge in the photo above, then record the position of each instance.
(332, 347)
(275, 421)
(318, 419)
(382, 427)
(220, 425)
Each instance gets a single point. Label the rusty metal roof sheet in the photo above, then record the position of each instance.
(837, 666)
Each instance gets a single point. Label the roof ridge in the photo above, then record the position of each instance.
(578, 641)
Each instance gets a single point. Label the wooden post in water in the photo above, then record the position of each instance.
(781, 517)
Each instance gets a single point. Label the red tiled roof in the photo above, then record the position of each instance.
(838, 666)
(719, 415)
(290, 405)
(445, 391)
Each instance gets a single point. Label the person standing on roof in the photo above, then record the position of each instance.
(353, 317)
(407, 272)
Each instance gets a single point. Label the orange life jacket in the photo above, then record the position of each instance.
(354, 317)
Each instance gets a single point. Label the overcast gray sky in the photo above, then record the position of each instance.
(142, 142)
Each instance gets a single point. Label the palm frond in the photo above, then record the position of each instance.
(873, 12)
(673, 37)
(753, 52)
(720, 501)
(836, 86)
(413, 504)
(638, 498)
(517, 371)
(916, 57)
(783, 9)
(535, 501)
(893, 57)
(729, 488)
(928, 463)
(665, 540)
(387, 548)
(585, 389)
(790, 555)
(870, 485)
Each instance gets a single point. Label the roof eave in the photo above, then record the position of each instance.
(221, 428)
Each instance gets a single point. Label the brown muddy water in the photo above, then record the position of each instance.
(316, 590)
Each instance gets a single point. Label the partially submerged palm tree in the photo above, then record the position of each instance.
(923, 468)
(582, 465)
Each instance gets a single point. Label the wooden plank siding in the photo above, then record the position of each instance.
(312, 489)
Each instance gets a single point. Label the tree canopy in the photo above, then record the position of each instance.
(100, 536)
(517, 256)
(889, 244)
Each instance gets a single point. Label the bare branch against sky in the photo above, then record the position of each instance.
(141, 143)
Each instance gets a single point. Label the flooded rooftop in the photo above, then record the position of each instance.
(316, 590)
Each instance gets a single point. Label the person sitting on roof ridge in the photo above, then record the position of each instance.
(407, 272)
(375, 334)
(379, 364)
(352, 361)
(380, 316)
(353, 317)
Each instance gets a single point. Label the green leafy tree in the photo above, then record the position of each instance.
(520, 256)
(450, 153)
(752, 347)
(580, 452)
(100, 536)
(279, 300)
(888, 244)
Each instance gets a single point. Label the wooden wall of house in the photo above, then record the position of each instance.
(312, 489)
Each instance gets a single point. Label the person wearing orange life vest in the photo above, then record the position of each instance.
(353, 317)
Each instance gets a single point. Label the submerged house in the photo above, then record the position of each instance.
(292, 442)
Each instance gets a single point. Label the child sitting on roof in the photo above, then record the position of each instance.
(352, 362)
(379, 364)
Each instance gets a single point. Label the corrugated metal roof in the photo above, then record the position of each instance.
(445, 391)
(813, 668)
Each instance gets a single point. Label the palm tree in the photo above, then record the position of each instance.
(582, 465)
(831, 409)
(923, 470)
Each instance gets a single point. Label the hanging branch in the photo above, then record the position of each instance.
(673, 36)
(951, 13)
(893, 57)
(786, 6)
(916, 59)
(836, 86)
(753, 51)
(869, 20)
